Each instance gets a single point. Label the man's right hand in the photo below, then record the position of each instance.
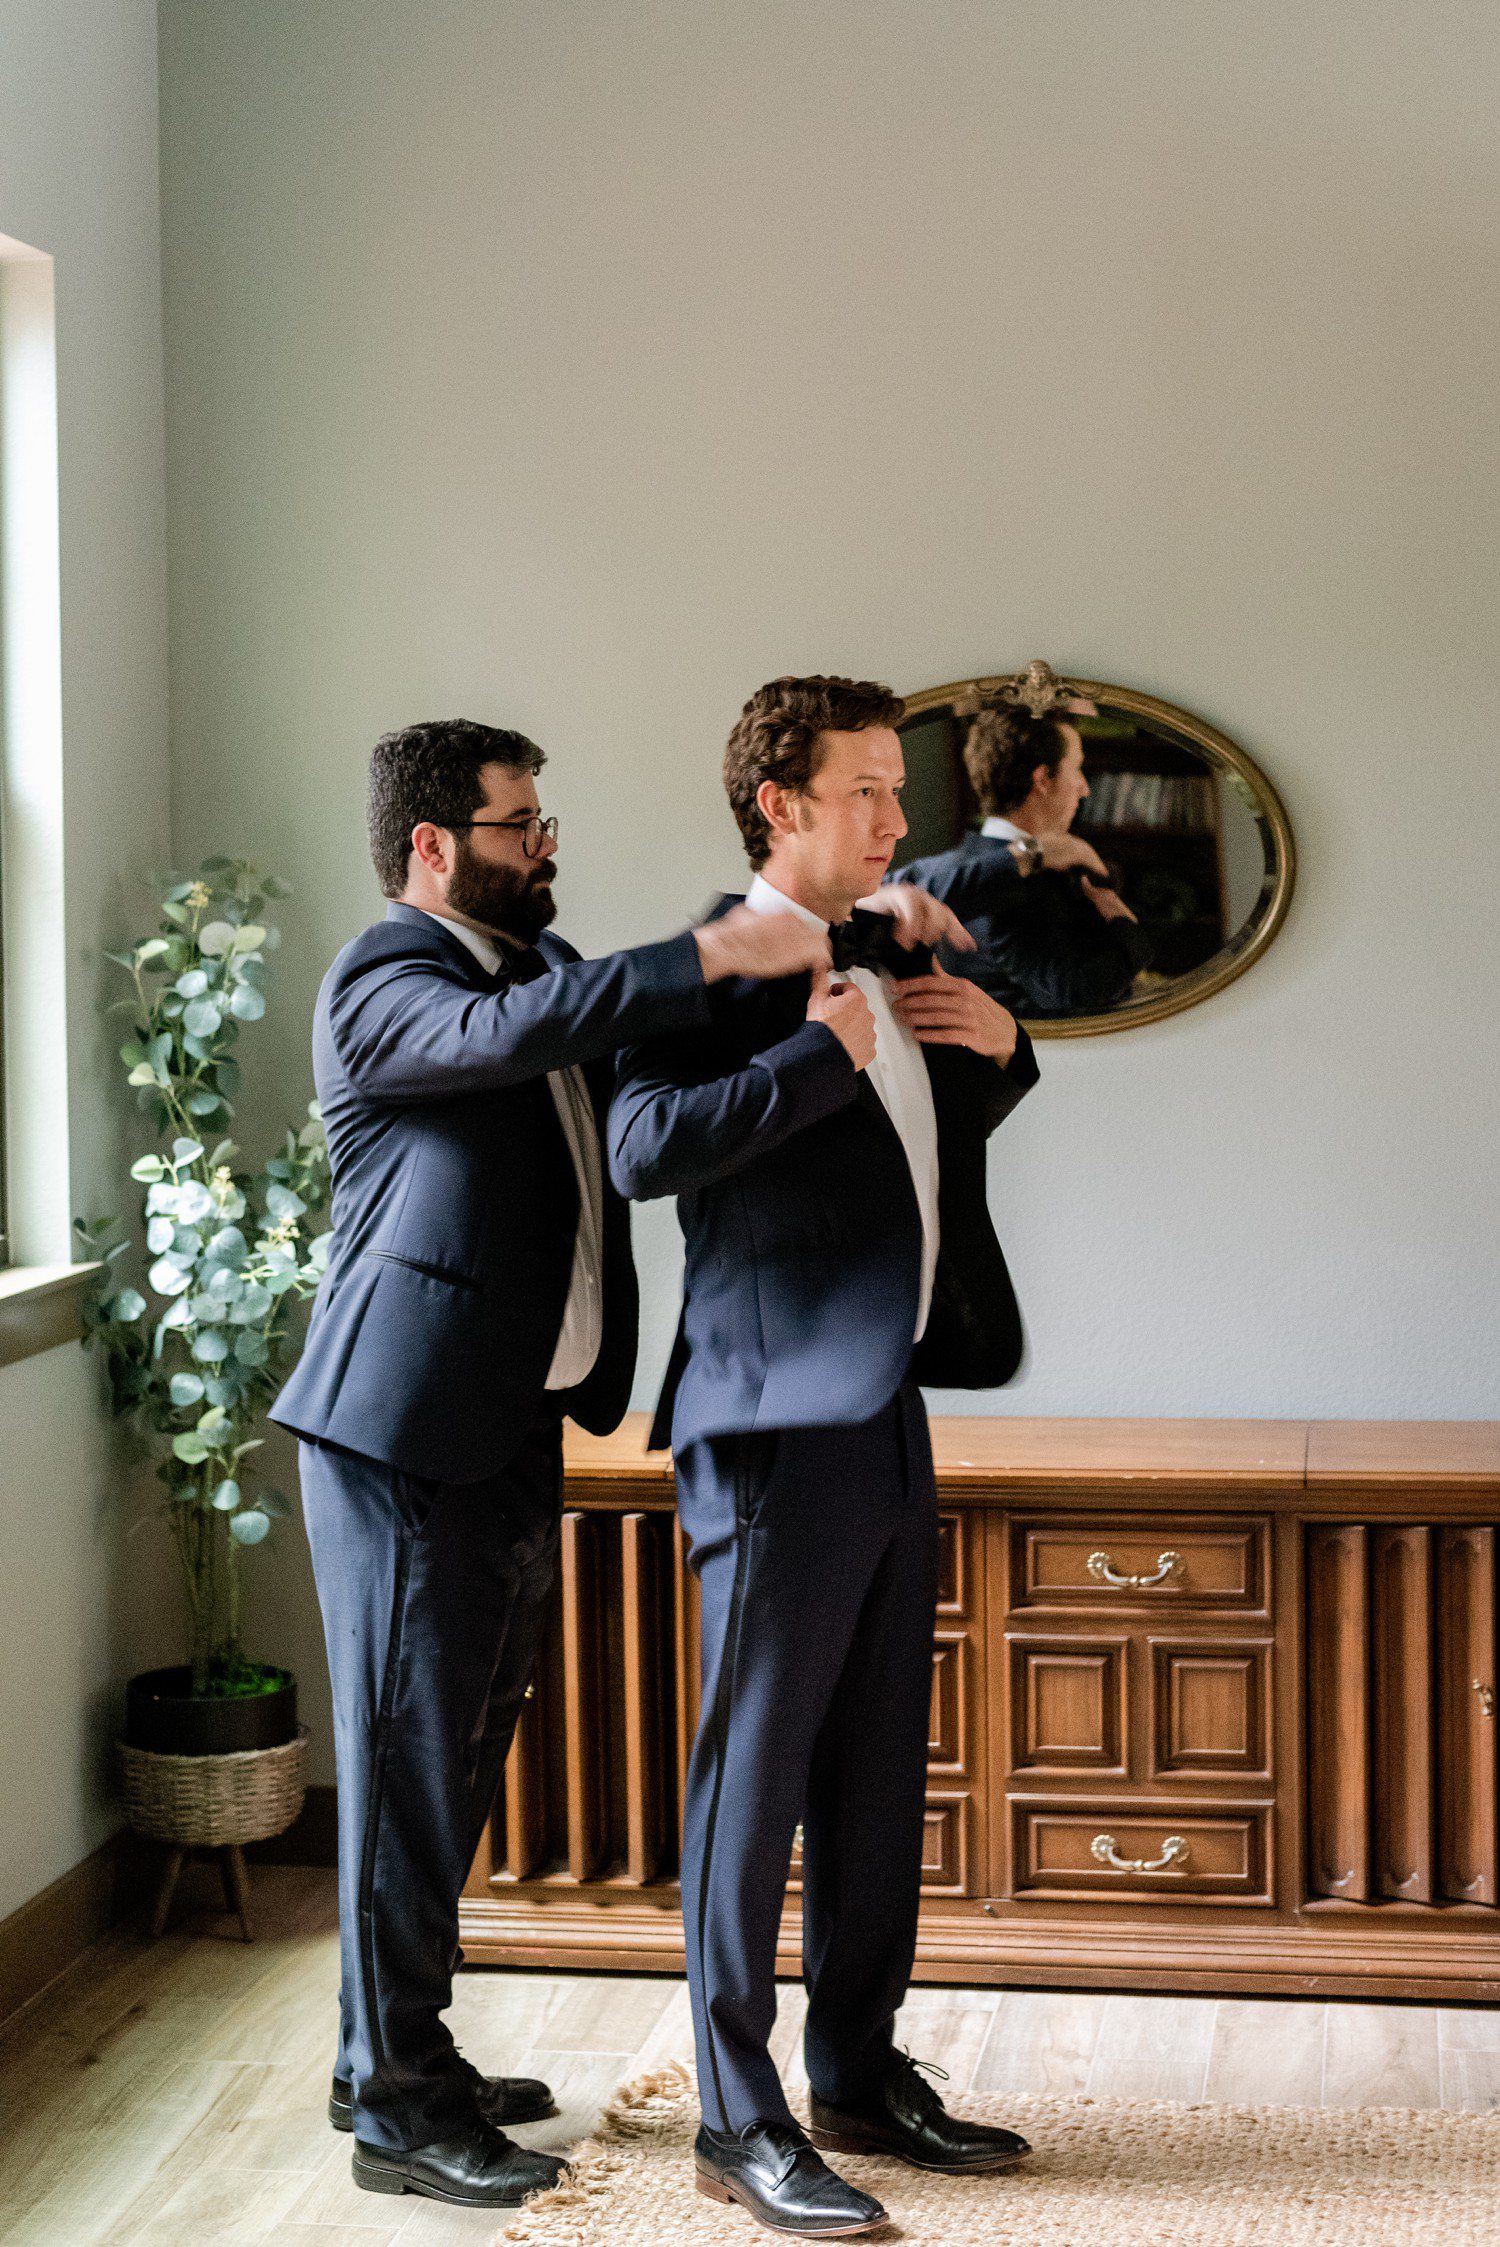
(846, 1012)
(1062, 852)
(759, 945)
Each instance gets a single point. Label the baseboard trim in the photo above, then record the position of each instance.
(43, 1938)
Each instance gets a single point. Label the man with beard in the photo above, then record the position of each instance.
(480, 1290)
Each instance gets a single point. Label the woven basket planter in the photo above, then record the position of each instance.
(214, 1801)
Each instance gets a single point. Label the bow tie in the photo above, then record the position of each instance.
(864, 940)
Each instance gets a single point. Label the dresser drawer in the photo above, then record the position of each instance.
(1143, 1852)
(1103, 1564)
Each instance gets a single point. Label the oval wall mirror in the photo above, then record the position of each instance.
(1195, 840)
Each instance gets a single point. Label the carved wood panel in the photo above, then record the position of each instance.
(1401, 1724)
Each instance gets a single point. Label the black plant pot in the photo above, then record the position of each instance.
(162, 1713)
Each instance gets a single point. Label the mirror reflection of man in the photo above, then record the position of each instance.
(826, 1142)
(480, 1290)
(1052, 936)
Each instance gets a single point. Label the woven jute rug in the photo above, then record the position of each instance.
(1105, 2173)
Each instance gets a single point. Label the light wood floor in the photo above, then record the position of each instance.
(173, 2095)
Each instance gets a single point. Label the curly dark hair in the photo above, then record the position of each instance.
(432, 772)
(1004, 748)
(777, 736)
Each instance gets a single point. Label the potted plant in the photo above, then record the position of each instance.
(199, 1347)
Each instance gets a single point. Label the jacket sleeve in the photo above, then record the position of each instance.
(970, 887)
(406, 1032)
(670, 1134)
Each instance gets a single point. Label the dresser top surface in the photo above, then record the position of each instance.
(1143, 1454)
(1023, 1451)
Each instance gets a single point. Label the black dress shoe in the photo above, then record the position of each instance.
(499, 2098)
(770, 2169)
(906, 2118)
(481, 2169)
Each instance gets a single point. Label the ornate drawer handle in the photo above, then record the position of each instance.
(1102, 1567)
(1174, 1851)
(1486, 1697)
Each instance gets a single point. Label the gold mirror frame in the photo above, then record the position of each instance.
(1039, 688)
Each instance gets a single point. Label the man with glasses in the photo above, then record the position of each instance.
(480, 1290)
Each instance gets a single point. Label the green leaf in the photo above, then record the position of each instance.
(186, 1389)
(147, 1169)
(128, 1305)
(159, 1235)
(228, 1246)
(251, 1348)
(246, 1004)
(178, 914)
(283, 1203)
(186, 1151)
(143, 1075)
(213, 1424)
(152, 949)
(178, 892)
(211, 1347)
(217, 938)
(249, 938)
(218, 866)
(275, 1502)
(132, 1054)
(190, 1448)
(202, 1019)
(224, 1153)
(185, 1495)
(192, 985)
(167, 1277)
(203, 1103)
(249, 1527)
(226, 1497)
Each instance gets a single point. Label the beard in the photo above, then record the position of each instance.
(519, 905)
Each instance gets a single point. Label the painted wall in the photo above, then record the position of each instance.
(79, 1607)
(581, 366)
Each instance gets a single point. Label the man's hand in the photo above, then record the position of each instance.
(919, 917)
(760, 945)
(1062, 852)
(1107, 902)
(846, 1012)
(943, 1009)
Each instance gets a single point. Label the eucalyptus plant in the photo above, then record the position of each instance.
(199, 1348)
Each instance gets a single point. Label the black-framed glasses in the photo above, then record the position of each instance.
(533, 831)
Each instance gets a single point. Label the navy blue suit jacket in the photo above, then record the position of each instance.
(1044, 950)
(800, 1218)
(455, 1202)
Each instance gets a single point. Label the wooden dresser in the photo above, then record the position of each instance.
(1213, 1708)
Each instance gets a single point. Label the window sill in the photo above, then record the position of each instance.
(41, 1305)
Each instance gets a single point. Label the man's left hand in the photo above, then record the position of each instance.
(943, 1009)
(919, 917)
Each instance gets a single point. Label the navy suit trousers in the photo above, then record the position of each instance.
(817, 1553)
(433, 1597)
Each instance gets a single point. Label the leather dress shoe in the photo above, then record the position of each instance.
(481, 2169)
(499, 2098)
(905, 2118)
(769, 2169)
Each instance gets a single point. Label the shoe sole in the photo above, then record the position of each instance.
(839, 2141)
(711, 2189)
(395, 2181)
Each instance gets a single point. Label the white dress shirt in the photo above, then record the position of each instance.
(899, 1076)
(582, 1328)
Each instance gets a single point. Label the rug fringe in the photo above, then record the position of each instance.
(560, 2218)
